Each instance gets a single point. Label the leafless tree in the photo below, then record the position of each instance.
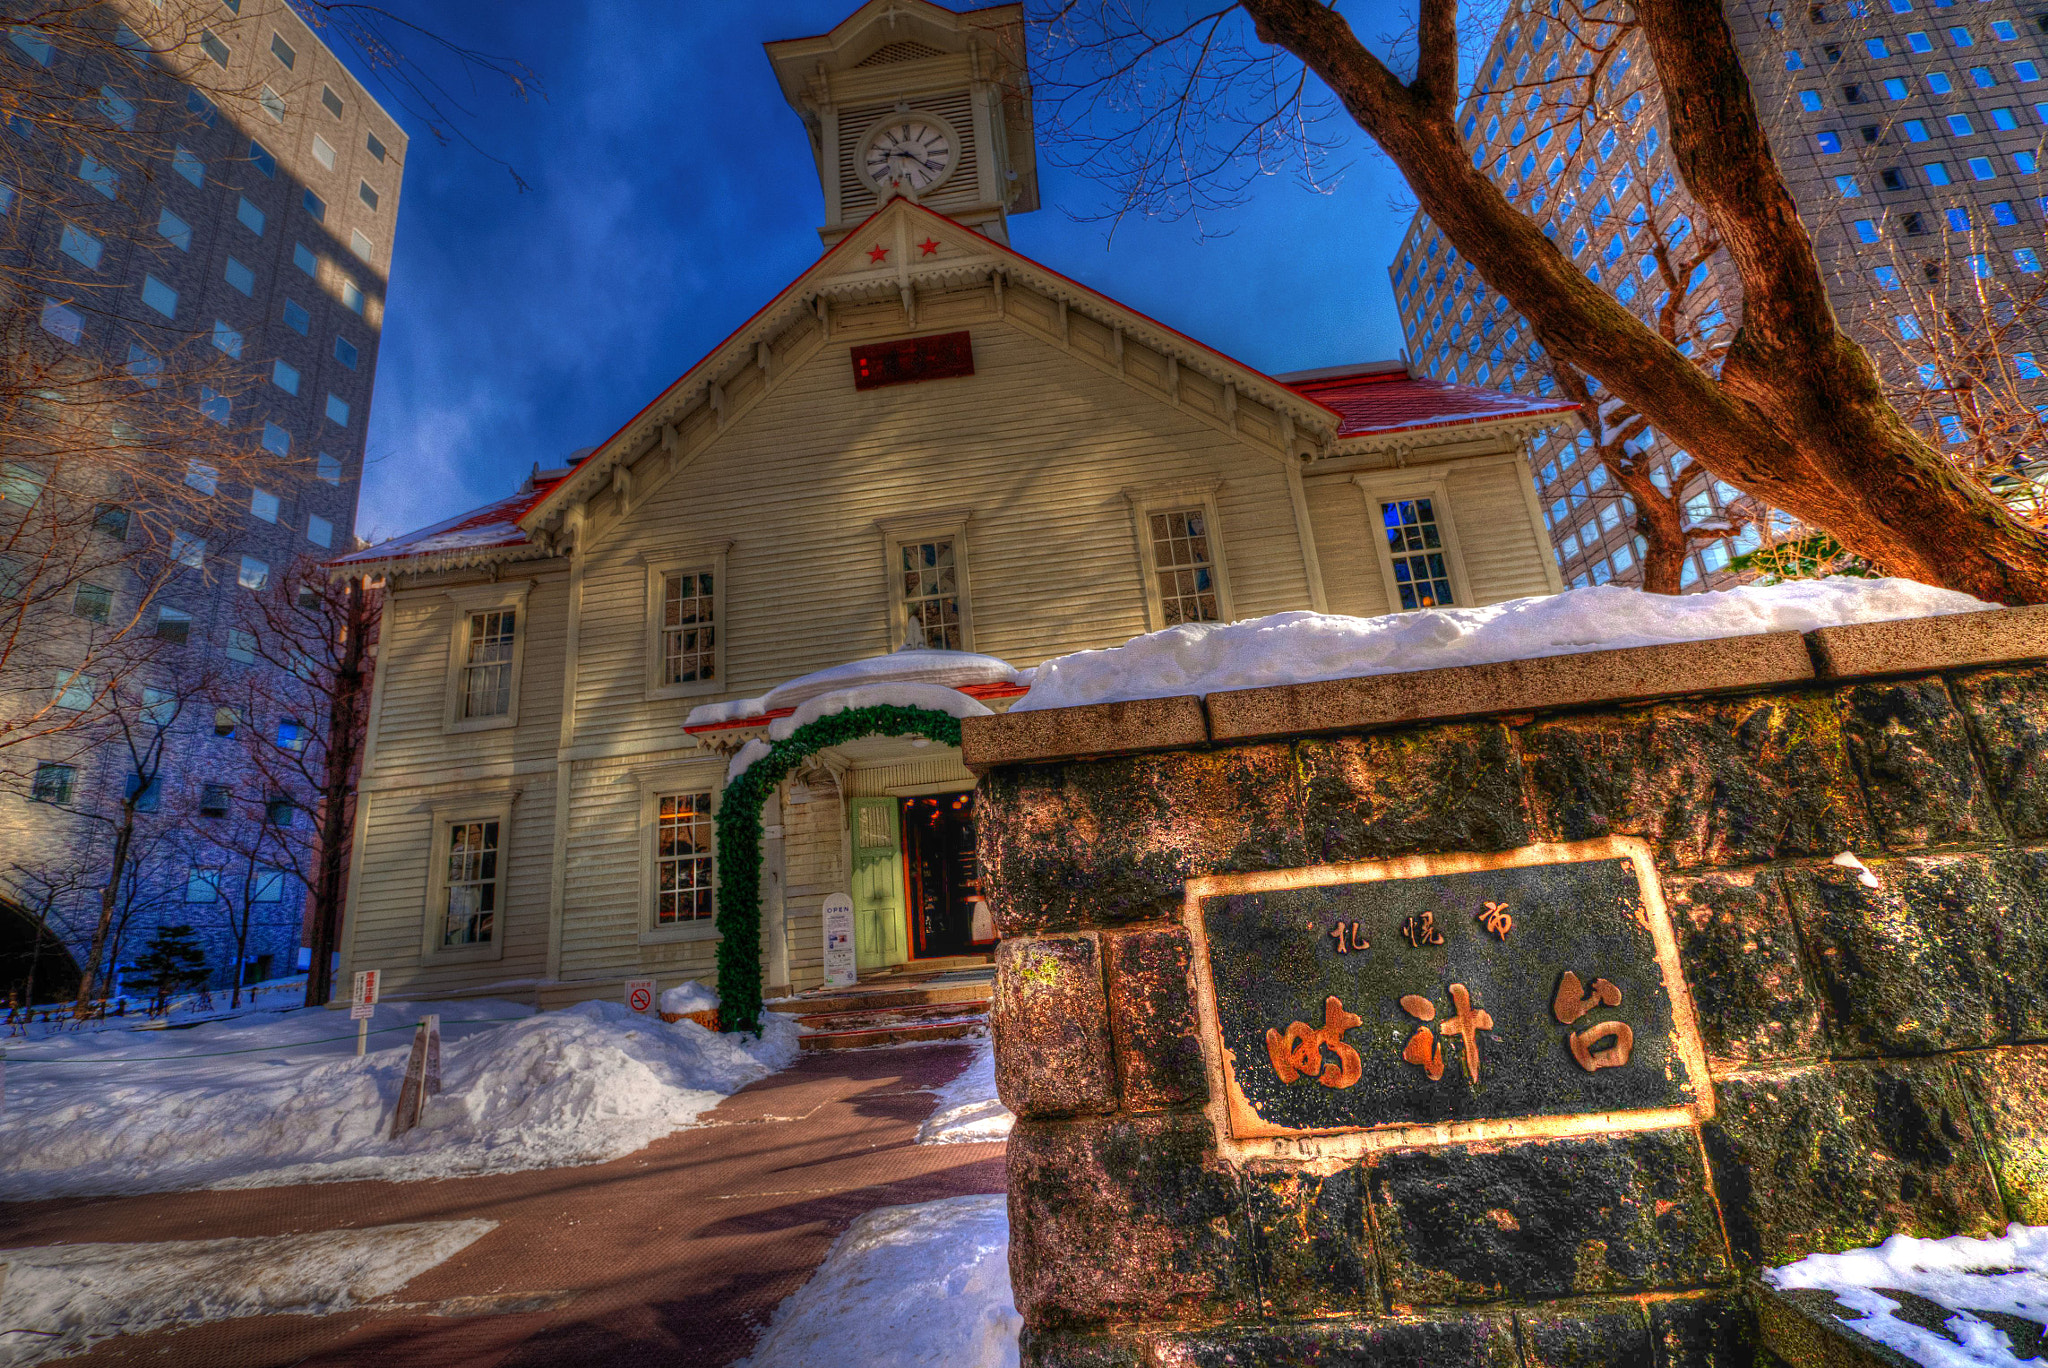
(1182, 111)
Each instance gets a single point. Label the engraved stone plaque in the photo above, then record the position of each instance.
(1446, 993)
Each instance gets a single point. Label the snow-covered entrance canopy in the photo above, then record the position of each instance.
(952, 682)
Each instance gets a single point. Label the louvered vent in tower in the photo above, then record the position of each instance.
(857, 198)
(898, 52)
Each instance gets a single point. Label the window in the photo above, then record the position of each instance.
(1876, 47)
(263, 504)
(330, 101)
(293, 735)
(1414, 538)
(1952, 430)
(202, 477)
(366, 193)
(285, 377)
(2003, 213)
(262, 160)
(2004, 119)
(1846, 187)
(174, 230)
(241, 646)
(1829, 142)
(2024, 363)
(1887, 278)
(1959, 125)
(351, 296)
(268, 886)
(1982, 78)
(1909, 327)
(249, 216)
(282, 50)
(226, 338)
(1916, 130)
(1960, 37)
(689, 630)
(32, 42)
(61, 320)
(683, 846)
(487, 664)
(303, 258)
(119, 110)
(225, 720)
(1981, 168)
(1937, 173)
(1939, 83)
(272, 103)
(1866, 230)
(2026, 71)
(92, 603)
(276, 440)
(469, 883)
(281, 812)
(2003, 31)
(1184, 566)
(215, 800)
(174, 625)
(319, 531)
(315, 206)
(212, 46)
(240, 276)
(1980, 266)
(296, 318)
(81, 246)
(255, 575)
(376, 148)
(54, 783)
(111, 522)
(930, 583)
(337, 411)
(345, 351)
(74, 690)
(188, 166)
(202, 885)
(1914, 225)
(1890, 179)
(329, 469)
(361, 245)
(1894, 88)
(2027, 260)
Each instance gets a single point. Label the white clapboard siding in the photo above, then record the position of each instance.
(1503, 553)
(1352, 580)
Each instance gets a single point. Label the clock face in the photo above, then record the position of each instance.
(909, 150)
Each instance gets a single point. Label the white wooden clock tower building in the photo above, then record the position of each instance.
(908, 96)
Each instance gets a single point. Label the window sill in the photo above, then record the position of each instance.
(671, 935)
(708, 689)
(460, 954)
(478, 724)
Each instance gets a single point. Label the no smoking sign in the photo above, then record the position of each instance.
(640, 995)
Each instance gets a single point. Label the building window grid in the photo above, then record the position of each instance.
(684, 842)
(487, 664)
(688, 629)
(931, 594)
(1422, 573)
(1183, 567)
(469, 913)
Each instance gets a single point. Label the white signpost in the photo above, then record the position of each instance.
(640, 995)
(840, 970)
(362, 1006)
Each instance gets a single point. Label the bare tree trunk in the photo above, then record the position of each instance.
(123, 835)
(1798, 417)
(343, 747)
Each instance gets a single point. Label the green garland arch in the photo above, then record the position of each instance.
(739, 840)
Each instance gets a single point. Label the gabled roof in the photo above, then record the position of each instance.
(1379, 399)
(488, 534)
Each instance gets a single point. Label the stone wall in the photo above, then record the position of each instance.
(1875, 1051)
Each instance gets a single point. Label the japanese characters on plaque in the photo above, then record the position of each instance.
(1520, 991)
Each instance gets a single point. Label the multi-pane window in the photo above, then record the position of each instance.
(1422, 574)
(688, 634)
(472, 890)
(931, 595)
(682, 859)
(487, 666)
(1184, 566)
(54, 783)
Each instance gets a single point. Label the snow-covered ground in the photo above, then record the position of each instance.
(968, 1108)
(55, 1301)
(907, 1285)
(1960, 1275)
(1294, 648)
(264, 1099)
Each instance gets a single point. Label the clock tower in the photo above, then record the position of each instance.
(908, 98)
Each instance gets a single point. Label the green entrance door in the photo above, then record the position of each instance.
(878, 920)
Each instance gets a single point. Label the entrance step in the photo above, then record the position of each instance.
(901, 1033)
(869, 999)
(866, 1017)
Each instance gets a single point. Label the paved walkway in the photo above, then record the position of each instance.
(674, 1255)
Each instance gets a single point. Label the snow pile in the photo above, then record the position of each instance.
(74, 1295)
(257, 1102)
(969, 1109)
(952, 669)
(930, 697)
(2001, 1277)
(689, 996)
(907, 1285)
(1294, 648)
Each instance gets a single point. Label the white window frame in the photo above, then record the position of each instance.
(483, 598)
(690, 776)
(1386, 486)
(1168, 498)
(483, 808)
(697, 560)
(897, 533)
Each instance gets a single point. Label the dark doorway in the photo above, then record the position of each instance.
(33, 968)
(945, 881)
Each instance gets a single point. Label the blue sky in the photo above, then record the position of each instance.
(672, 192)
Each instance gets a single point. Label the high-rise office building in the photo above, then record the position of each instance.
(260, 180)
(1909, 132)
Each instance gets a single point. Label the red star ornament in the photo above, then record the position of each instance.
(930, 247)
(878, 253)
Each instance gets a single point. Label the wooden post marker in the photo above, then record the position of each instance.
(362, 1006)
(422, 1076)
